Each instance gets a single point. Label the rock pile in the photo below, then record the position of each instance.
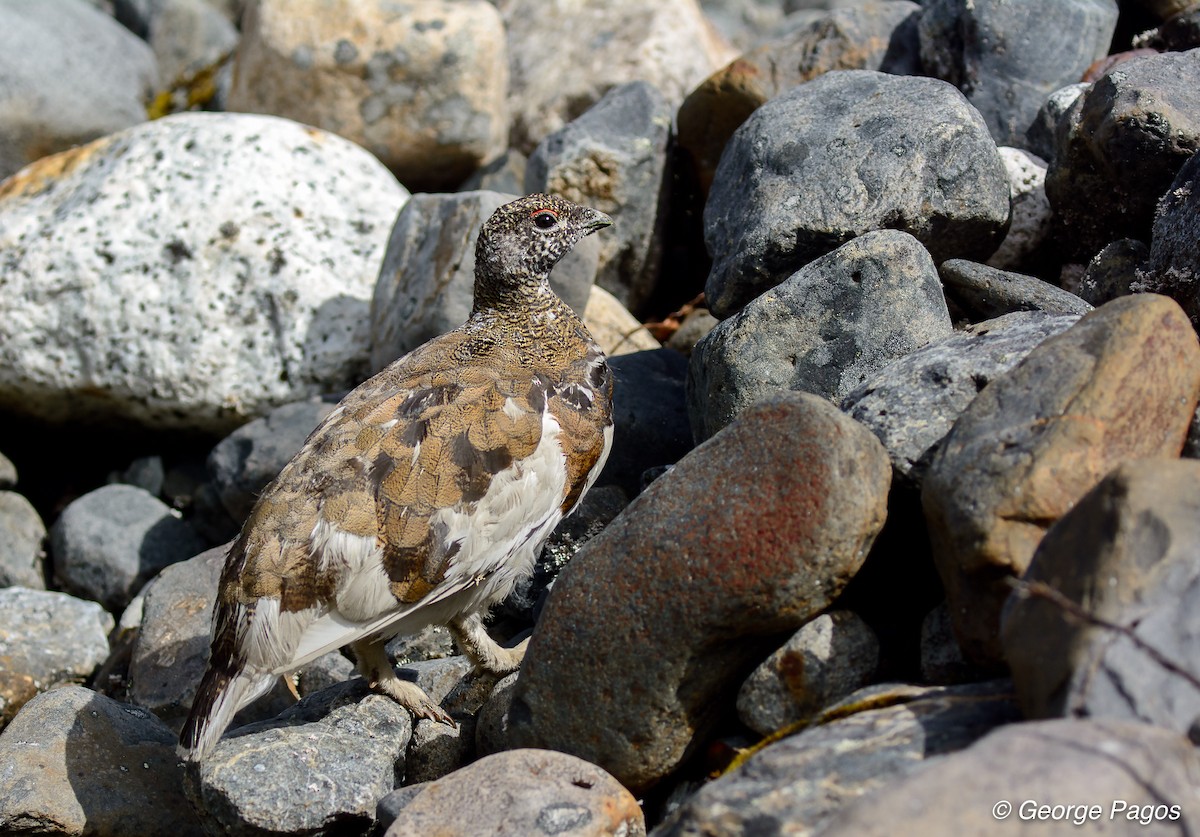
(908, 501)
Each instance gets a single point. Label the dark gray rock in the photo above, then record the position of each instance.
(845, 35)
(1179, 32)
(1113, 272)
(804, 174)
(1128, 554)
(505, 174)
(342, 748)
(71, 74)
(146, 473)
(825, 330)
(799, 784)
(491, 724)
(822, 662)
(111, 541)
(247, 459)
(46, 639)
(650, 416)
(22, 534)
(427, 281)
(912, 404)
(516, 794)
(1174, 264)
(746, 538)
(1120, 384)
(942, 660)
(1141, 779)
(1040, 139)
(985, 292)
(1120, 146)
(613, 158)
(78, 763)
(1007, 56)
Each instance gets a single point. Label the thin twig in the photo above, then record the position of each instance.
(1041, 590)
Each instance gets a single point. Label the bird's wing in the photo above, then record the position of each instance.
(365, 524)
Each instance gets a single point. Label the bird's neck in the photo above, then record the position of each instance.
(514, 296)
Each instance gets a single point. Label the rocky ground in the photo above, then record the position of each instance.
(901, 529)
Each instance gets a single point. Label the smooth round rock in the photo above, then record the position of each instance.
(750, 535)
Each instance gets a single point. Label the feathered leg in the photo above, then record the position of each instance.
(374, 665)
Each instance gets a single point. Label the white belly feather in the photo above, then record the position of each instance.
(500, 536)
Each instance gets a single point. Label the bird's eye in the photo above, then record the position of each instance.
(544, 219)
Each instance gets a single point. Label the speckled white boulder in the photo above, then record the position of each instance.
(68, 74)
(422, 84)
(566, 54)
(190, 272)
(1031, 215)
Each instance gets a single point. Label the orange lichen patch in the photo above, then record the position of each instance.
(39, 175)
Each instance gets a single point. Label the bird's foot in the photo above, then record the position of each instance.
(374, 665)
(413, 698)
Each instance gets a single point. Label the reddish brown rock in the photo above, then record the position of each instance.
(518, 793)
(651, 628)
(1120, 384)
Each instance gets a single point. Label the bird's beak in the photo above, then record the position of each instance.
(597, 221)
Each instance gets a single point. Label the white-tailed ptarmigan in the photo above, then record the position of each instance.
(428, 492)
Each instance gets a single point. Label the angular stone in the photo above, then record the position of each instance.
(421, 85)
(822, 662)
(112, 540)
(46, 640)
(873, 738)
(912, 404)
(614, 158)
(246, 460)
(1007, 56)
(426, 285)
(22, 533)
(650, 407)
(1174, 264)
(804, 175)
(984, 292)
(791, 496)
(1127, 554)
(1120, 384)
(1113, 272)
(171, 648)
(519, 793)
(825, 330)
(343, 747)
(1127, 778)
(71, 74)
(616, 330)
(186, 35)
(869, 35)
(115, 309)
(669, 44)
(1040, 139)
(1124, 141)
(75, 762)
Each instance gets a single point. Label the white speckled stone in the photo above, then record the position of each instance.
(46, 639)
(422, 84)
(68, 74)
(190, 272)
(1031, 215)
(565, 55)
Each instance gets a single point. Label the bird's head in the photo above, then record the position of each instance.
(522, 242)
